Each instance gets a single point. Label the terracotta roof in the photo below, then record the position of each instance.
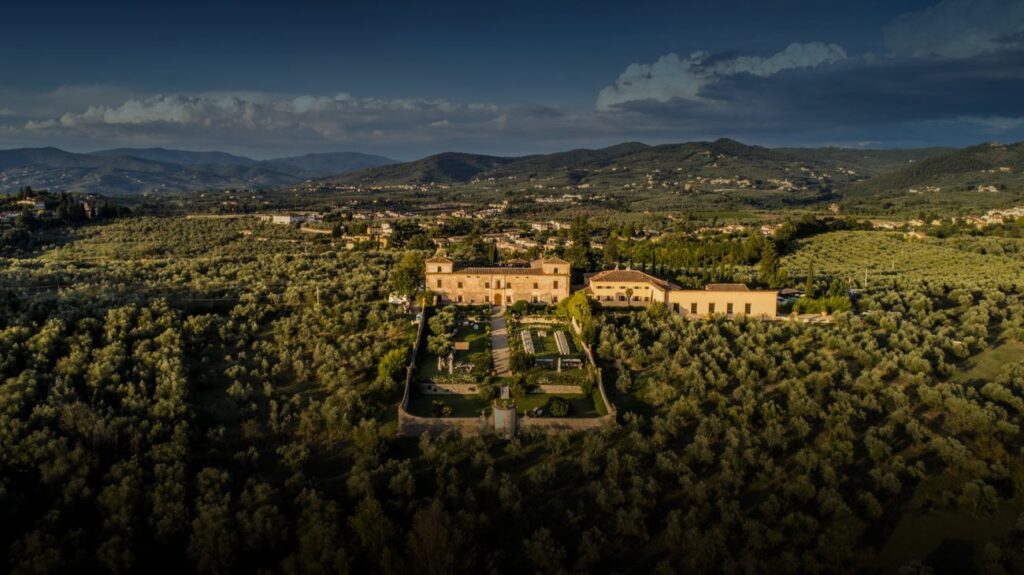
(726, 287)
(439, 260)
(629, 276)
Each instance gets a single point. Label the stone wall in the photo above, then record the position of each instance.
(412, 425)
(557, 424)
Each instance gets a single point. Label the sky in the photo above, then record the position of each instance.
(408, 79)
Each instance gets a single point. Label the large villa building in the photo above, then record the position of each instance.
(622, 288)
(542, 281)
(546, 281)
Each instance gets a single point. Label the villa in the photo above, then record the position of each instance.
(542, 281)
(546, 281)
(632, 288)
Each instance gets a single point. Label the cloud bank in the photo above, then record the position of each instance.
(672, 77)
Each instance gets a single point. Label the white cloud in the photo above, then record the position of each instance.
(257, 121)
(331, 117)
(672, 77)
(958, 29)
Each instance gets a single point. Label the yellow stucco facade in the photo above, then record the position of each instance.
(622, 288)
(543, 281)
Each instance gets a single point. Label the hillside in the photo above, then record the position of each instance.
(987, 176)
(132, 171)
(625, 164)
(327, 164)
(182, 157)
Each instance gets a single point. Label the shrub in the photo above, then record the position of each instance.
(483, 363)
(488, 389)
(439, 408)
(520, 362)
(519, 386)
(557, 407)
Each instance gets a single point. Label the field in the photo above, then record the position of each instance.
(221, 396)
(881, 258)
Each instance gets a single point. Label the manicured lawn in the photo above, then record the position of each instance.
(478, 342)
(580, 405)
(462, 405)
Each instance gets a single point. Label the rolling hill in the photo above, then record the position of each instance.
(182, 157)
(616, 165)
(143, 170)
(984, 167)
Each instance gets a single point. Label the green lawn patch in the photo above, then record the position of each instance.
(580, 405)
(462, 405)
(479, 342)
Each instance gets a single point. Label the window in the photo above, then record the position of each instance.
(497, 284)
(728, 308)
(622, 297)
(536, 285)
(460, 299)
(438, 283)
(556, 270)
(711, 308)
(746, 308)
(556, 284)
(693, 308)
(460, 285)
(675, 307)
(508, 299)
(487, 285)
(554, 299)
(534, 299)
(438, 269)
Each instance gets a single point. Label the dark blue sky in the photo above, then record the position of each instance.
(408, 79)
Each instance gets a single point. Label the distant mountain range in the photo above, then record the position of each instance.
(139, 170)
(722, 158)
(719, 166)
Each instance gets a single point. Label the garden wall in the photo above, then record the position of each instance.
(597, 370)
(557, 424)
(413, 425)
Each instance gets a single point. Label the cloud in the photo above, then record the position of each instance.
(672, 77)
(958, 29)
(268, 123)
(338, 117)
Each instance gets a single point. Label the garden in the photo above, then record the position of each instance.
(550, 377)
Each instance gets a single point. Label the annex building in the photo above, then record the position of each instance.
(632, 288)
(542, 281)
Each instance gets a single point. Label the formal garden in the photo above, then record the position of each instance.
(550, 373)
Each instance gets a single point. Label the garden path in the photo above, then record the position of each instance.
(499, 343)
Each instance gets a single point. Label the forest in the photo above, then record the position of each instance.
(218, 396)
